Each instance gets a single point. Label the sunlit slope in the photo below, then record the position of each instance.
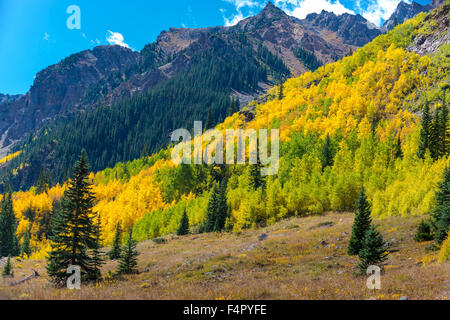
(370, 106)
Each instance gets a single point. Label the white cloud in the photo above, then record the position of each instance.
(380, 10)
(46, 36)
(116, 38)
(239, 15)
(375, 11)
(301, 8)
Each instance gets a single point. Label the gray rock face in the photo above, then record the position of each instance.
(431, 41)
(58, 89)
(110, 73)
(353, 29)
(404, 11)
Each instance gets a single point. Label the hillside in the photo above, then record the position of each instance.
(377, 119)
(50, 122)
(292, 263)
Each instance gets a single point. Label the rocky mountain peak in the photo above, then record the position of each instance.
(271, 11)
(353, 29)
(404, 11)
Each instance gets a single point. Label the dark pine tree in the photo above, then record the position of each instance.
(327, 153)
(9, 244)
(210, 120)
(26, 249)
(128, 260)
(441, 211)
(211, 210)
(373, 251)
(97, 259)
(444, 121)
(281, 91)
(115, 252)
(7, 269)
(233, 107)
(398, 152)
(255, 178)
(425, 132)
(361, 224)
(73, 230)
(222, 207)
(435, 136)
(44, 181)
(183, 229)
(423, 232)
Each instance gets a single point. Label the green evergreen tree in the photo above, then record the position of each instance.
(210, 120)
(115, 252)
(361, 224)
(7, 269)
(373, 250)
(183, 229)
(398, 154)
(435, 136)
(327, 153)
(443, 127)
(281, 91)
(222, 207)
(97, 257)
(9, 244)
(128, 259)
(26, 249)
(423, 232)
(73, 230)
(44, 181)
(425, 132)
(234, 107)
(256, 180)
(441, 211)
(211, 210)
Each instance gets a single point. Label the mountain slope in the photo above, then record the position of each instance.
(58, 89)
(369, 105)
(406, 11)
(119, 78)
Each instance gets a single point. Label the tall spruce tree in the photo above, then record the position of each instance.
(9, 244)
(256, 180)
(425, 132)
(209, 120)
(97, 257)
(73, 231)
(441, 211)
(281, 91)
(115, 252)
(435, 136)
(222, 207)
(361, 224)
(398, 152)
(44, 181)
(327, 153)
(26, 249)
(7, 269)
(373, 250)
(211, 210)
(183, 228)
(128, 259)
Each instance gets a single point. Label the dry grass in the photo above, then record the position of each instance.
(289, 264)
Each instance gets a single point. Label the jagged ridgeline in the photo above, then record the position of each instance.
(351, 123)
(141, 125)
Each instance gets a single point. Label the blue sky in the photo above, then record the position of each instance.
(34, 34)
